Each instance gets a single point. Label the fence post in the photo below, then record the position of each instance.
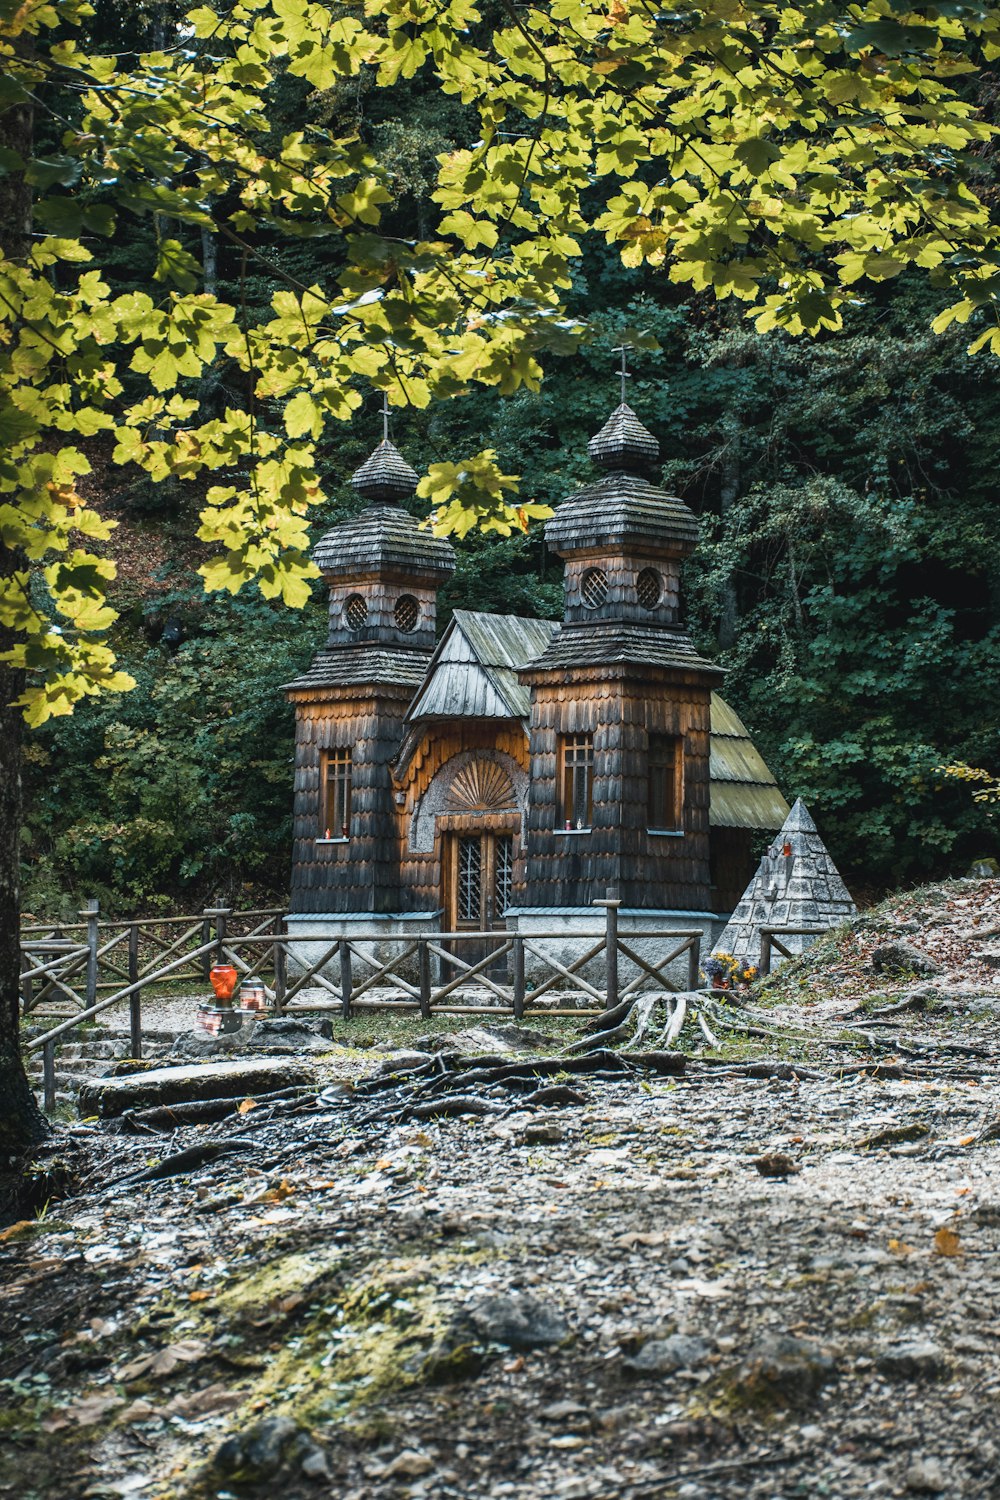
(765, 954)
(280, 968)
(611, 906)
(135, 999)
(346, 982)
(517, 964)
(424, 970)
(694, 963)
(90, 915)
(206, 938)
(49, 1077)
(220, 933)
(27, 988)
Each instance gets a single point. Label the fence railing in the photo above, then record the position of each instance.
(429, 973)
(770, 941)
(99, 956)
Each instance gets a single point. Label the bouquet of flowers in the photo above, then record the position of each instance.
(724, 972)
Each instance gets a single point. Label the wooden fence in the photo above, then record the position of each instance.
(771, 942)
(427, 974)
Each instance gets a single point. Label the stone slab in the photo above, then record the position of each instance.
(109, 1097)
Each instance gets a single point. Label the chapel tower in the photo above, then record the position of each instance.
(383, 572)
(620, 699)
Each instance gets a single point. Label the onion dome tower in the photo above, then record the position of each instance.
(383, 573)
(620, 699)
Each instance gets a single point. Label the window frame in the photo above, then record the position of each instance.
(336, 777)
(665, 783)
(576, 766)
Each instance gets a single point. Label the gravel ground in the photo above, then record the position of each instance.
(715, 1287)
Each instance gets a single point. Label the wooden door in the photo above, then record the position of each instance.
(479, 869)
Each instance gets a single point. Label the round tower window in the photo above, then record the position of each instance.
(594, 588)
(649, 588)
(355, 611)
(406, 613)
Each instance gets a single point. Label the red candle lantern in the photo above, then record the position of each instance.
(222, 978)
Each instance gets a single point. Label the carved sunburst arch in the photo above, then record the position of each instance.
(473, 781)
(480, 786)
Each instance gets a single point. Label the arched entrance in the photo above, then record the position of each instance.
(478, 824)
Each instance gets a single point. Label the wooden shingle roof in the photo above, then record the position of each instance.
(623, 442)
(473, 671)
(586, 643)
(360, 666)
(622, 511)
(384, 538)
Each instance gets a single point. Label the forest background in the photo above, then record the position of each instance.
(847, 575)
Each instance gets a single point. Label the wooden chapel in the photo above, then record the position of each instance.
(516, 769)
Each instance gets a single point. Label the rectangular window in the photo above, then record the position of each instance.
(576, 780)
(335, 794)
(665, 799)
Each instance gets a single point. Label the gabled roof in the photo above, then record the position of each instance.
(472, 673)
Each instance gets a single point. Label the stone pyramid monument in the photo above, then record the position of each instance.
(796, 885)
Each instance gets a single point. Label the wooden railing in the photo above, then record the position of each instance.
(770, 940)
(99, 956)
(52, 958)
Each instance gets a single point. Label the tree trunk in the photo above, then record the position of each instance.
(729, 489)
(21, 1123)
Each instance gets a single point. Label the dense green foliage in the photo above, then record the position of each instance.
(846, 576)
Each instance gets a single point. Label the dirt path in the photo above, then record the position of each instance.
(592, 1298)
(628, 1309)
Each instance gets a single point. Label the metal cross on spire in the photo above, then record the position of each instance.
(623, 350)
(385, 417)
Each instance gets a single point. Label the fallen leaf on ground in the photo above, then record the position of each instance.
(212, 1398)
(162, 1361)
(946, 1242)
(85, 1412)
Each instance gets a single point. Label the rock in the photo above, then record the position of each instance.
(564, 1411)
(316, 1465)
(898, 957)
(783, 1371)
(894, 1135)
(518, 1320)
(262, 1451)
(776, 1165)
(523, 1038)
(926, 1476)
(192, 1044)
(983, 869)
(663, 1356)
(301, 1033)
(408, 1465)
(541, 1133)
(913, 1360)
(109, 1097)
(472, 1040)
